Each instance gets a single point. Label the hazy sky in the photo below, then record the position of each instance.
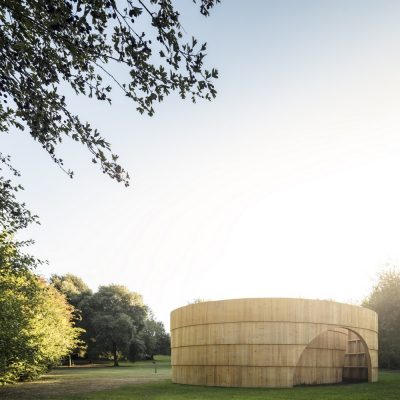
(287, 185)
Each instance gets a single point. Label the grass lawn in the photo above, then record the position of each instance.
(139, 381)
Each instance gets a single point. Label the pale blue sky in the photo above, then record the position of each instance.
(290, 174)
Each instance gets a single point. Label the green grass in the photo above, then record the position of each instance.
(139, 382)
(388, 388)
(126, 370)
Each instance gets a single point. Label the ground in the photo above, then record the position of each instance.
(139, 381)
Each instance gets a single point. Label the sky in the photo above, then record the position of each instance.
(287, 185)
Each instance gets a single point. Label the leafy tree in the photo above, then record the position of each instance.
(163, 344)
(17, 288)
(75, 290)
(72, 287)
(13, 214)
(48, 45)
(137, 348)
(152, 340)
(149, 337)
(36, 328)
(155, 338)
(385, 300)
(116, 316)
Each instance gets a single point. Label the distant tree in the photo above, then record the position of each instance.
(72, 287)
(385, 300)
(48, 45)
(75, 290)
(197, 301)
(145, 339)
(36, 322)
(137, 348)
(155, 338)
(117, 316)
(163, 344)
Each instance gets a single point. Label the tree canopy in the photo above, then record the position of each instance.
(47, 45)
(155, 339)
(36, 322)
(116, 316)
(72, 287)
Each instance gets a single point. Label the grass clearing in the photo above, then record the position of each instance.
(69, 382)
(138, 381)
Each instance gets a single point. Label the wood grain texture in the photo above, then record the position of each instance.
(273, 342)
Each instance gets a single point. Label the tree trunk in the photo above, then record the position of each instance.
(115, 355)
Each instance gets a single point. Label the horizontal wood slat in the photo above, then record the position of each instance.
(272, 343)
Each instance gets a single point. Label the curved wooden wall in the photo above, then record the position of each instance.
(272, 342)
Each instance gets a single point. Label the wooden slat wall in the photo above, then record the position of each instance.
(267, 342)
(323, 359)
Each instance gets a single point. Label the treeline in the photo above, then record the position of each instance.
(385, 300)
(116, 323)
(44, 323)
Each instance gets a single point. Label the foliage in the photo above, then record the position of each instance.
(72, 287)
(156, 340)
(152, 340)
(385, 300)
(13, 215)
(137, 349)
(116, 317)
(48, 46)
(76, 291)
(102, 316)
(36, 328)
(53, 325)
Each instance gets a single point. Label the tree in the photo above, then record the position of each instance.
(36, 327)
(155, 339)
(75, 291)
(137, 340)
(45, 45)
(137, 349)
(72, 287)
(385, 300)
(116, 316)
(197, 301)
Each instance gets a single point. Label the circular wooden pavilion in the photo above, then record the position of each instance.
(273, 342)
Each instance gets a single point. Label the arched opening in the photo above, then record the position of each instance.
(357, 362)
(335, 355)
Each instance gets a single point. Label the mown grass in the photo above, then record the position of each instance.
(70, 382)
(140, 369)
(139, 382)
(388, 388)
